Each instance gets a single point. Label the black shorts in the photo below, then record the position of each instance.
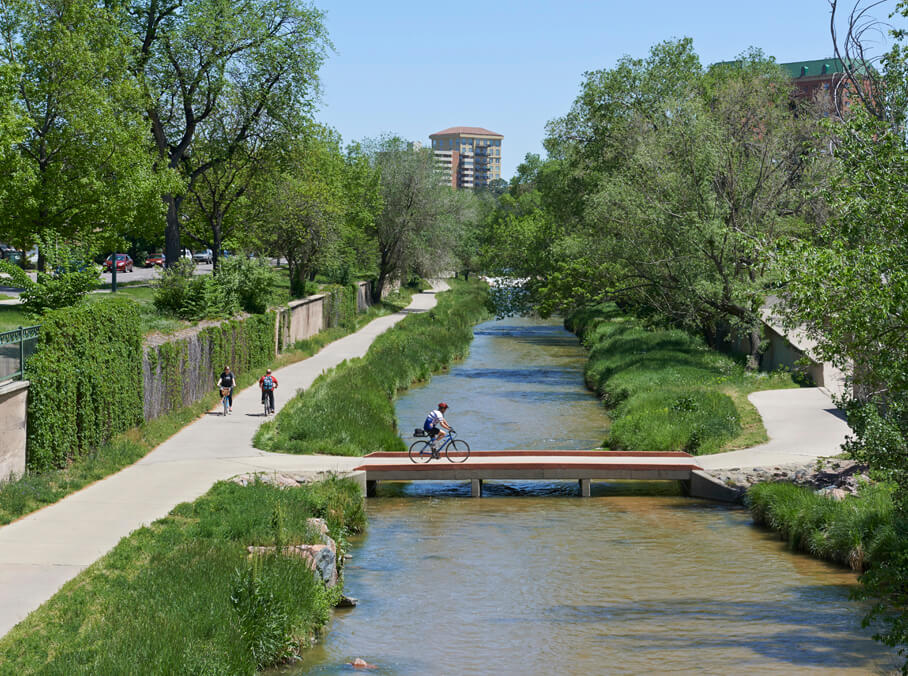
(433, 431)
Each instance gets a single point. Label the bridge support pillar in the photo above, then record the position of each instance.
(476, 488)
(371, 488)
(584, 488)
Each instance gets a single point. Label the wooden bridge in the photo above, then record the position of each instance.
(580, 466)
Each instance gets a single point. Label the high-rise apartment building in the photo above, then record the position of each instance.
(470, 156)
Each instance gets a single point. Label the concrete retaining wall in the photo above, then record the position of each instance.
(13, 398)
(780, 352)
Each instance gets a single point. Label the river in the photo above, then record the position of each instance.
(531, 579)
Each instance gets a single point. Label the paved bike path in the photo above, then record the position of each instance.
(42, 551)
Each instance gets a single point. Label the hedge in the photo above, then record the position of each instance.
(86, 380)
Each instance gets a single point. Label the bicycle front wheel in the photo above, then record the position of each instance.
(458, 451)
(420, 451)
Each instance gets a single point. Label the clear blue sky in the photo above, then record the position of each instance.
(414, 67)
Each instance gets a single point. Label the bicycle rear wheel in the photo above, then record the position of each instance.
(458, 451)
(420, 451)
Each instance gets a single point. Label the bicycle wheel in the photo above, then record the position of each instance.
(420, 451)
(458, 451)
(224, 401)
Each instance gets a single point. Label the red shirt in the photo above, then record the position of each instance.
(262, 381)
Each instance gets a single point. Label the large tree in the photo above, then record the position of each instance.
(253, 61)
(299, 201)
(85, 147)
(414, 203)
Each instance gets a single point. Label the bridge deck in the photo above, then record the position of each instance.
(539, 465)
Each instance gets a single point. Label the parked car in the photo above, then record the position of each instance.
(155, 259)
(124, 263)
(203, 256)
(8, 253)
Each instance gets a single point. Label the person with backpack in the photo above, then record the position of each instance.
(226, 383)
(268, 384)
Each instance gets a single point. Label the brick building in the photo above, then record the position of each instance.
(469, 156)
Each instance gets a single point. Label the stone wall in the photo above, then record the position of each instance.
(13, 398)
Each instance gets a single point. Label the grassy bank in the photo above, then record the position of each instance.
(183, 597)
(853, 531)
(38, 489)
(665, 390)
(350, 410)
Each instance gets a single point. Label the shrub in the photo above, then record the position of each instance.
(51, 292)
(172, 289)
(86, 380)
(247, 282)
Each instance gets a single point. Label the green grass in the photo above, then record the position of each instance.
(182, 595)
(12, 317)
(350, 410)
(36, 490)
(665, 390)
(4, 296)
(853, 531)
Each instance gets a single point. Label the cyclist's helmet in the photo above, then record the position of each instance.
(442, 406)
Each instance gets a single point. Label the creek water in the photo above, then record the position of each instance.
(531, 579)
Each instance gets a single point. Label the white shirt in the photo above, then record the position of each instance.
(436, 417)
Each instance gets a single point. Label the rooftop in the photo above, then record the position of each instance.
(798, 69)
(465, 131)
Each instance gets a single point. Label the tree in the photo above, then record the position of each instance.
(299, 203)
(847, 289)
(84, 149)
(413, 199)
(198, 60)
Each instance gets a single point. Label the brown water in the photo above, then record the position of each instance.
(534, 580)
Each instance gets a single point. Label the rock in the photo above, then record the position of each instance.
(346, 602)
(321, 559)
(833, 492)
(360, 663)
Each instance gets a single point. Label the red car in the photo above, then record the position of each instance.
(124, 263)
(154, 259)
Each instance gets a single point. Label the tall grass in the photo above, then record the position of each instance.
(183, 597)
(853, 531)
(664, 388)
(350, 410)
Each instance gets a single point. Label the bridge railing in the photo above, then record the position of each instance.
(16, 347)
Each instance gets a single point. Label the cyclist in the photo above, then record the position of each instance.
(268, 384)
(227, 382)
(434, 424)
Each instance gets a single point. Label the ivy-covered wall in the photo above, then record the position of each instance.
(181, 371)
(86, 380)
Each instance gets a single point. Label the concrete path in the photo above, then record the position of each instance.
(802, 425)
(43, 550)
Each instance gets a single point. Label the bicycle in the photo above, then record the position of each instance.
(225, 400)
(456, 450)
(266, 400)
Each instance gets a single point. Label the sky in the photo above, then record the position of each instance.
(412, 68)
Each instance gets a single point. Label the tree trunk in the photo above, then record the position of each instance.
(753, 359)
(216, 244)
(172, 248)
(377, 285)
